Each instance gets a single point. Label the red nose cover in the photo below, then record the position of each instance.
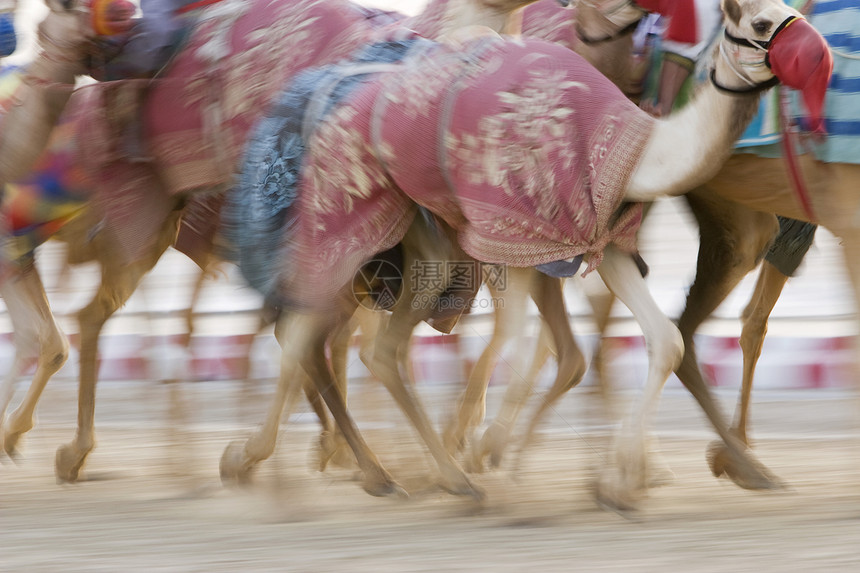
(801, 59)
(681, 15)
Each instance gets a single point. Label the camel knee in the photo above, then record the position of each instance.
(55, 351)
(260, 446)
(753, 333)
(572, 362)
(666, 347)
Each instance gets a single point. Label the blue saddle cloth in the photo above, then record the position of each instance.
(257, 220)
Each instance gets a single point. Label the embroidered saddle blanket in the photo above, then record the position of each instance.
(197, 118)
(258, 214)
(519, 145)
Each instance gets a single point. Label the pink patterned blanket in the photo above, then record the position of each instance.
(520, 145)
(198, 116)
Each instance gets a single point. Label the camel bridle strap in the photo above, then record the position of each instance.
(762, 45)
(788, 134)
(752, 89)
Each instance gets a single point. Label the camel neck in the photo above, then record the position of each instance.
(47, 87)
(687, 148)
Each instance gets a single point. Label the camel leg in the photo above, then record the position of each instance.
(36, 332)
(510, 320)
(303, 339)
(623, 487)
(851, 252)
(767, 290)
(333, 447)
(370, 322)
(600, 299)
(388, 356)
(377, 481)
(118, 283)
(498, 434)
(549, 297)
(240, 459)
(732, 241)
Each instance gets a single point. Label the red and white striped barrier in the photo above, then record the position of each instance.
(786, 362)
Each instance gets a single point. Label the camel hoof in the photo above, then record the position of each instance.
(612, 498)
(385, 487)
(334, 450)
(717, 455)
(463, 487)
(235, 468)
(68, 463)
(746, 472)
(493, 444)
(10, 445)
(660, 474)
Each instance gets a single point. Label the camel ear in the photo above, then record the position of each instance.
(732, 10)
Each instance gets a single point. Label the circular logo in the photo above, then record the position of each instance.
(377, 284)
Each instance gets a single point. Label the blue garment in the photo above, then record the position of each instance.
(257, 221)
(153, 40)
(8, 38)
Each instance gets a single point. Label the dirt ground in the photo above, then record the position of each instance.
(153, 502)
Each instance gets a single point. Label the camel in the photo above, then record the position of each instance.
(736, 228)
(607, 45)
(46, 84)
(831, 190)
(307, 331)
(610, 53)
(127, 249)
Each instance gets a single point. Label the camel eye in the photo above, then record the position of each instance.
(762, 26)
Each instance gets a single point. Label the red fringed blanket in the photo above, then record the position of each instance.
(520, 145)
(197, 116)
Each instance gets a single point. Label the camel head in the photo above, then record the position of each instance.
(67, 32)
(599, 21)
(768, 42)
(604, 29)
(503, 16)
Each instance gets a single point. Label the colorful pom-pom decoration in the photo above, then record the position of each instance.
(111, 17)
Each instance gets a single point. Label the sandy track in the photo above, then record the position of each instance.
(154, 503)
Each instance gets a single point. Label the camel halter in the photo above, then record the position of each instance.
(787, 140)
(759, 46)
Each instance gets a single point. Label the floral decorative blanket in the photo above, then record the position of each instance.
(520, 145)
